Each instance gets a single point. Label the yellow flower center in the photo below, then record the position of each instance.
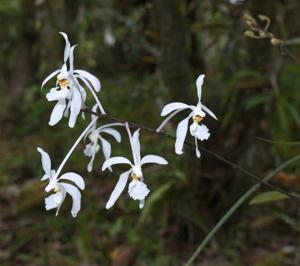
(56, 189)
(135, 177)
(197, 119)
(63, 83)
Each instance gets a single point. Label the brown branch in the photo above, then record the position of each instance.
(219, 157)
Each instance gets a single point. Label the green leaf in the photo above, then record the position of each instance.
(256, 100)
(267, 197)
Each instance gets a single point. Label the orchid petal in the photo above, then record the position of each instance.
(71, 59)
(113, 132)
(199, 83)
(67, 47)
(136, 145)
(153, 159)
(75, 108)
(106, 148)
(76, 197)
(181, 134)
(56, 94)
(172, 107)
(46, 162)
(93, 80)
(115, 160)
(208, 111)
(121, 184)
(198, 154)
(76, 178)
(90, 164)
(50, 77)
(92, 91)
(142, 204)
(57, 112)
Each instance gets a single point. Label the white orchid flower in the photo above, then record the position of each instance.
(69, 92)
(95, 135)
(61, 188)
(137, 189)
(197, 130)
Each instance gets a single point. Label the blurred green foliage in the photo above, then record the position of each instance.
(132, 46)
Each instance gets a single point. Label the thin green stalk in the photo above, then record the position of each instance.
(236, 206)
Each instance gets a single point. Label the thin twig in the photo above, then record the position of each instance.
(291, 143)
(219, 157)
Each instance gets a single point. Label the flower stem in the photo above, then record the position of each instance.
(74, 146)
(216, 155)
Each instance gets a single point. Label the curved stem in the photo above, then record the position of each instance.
(236, 206)
(73, 147)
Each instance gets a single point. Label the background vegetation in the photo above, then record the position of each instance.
(148, 53)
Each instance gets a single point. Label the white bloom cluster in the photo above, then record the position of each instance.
(70, 96)
(69, 91)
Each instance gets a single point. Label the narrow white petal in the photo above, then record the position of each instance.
(142, 204)
(172, 107)
(67, 47)
(76, 197)
(71, 59)
(167, 119)
(50, 77)
(113, 133)
(91, 78)
(181, 134)
(67, 110)
(75, 108)
(57, 112)
(76, 178)
(208, 111)
(92, 91)
(46, 162)
(198, 154)
(115, 160)
(199, 83)
(118, 189)
(106, 148)
(153, 159)
(136, 145)
(89, 167)
(45, 177)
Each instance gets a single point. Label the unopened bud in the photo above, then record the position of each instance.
(262, 34)
(276, 41)
(263, 17)
(249, 33)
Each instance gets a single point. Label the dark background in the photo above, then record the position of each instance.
(146, 54)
